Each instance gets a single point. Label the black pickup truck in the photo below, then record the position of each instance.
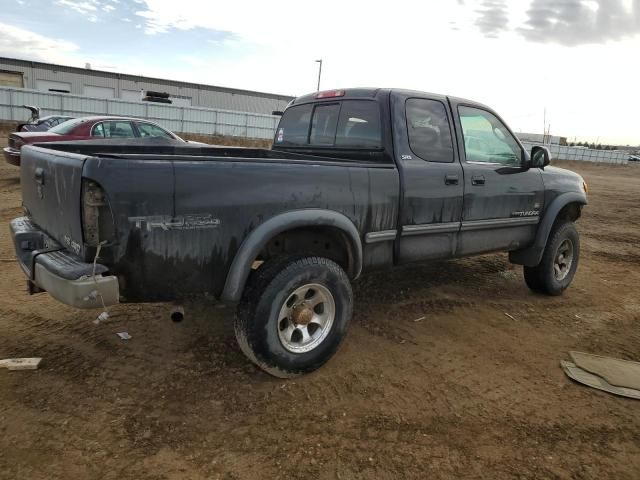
(357, 179)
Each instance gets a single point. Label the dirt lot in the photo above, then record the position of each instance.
(466, 392)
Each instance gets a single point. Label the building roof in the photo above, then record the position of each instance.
(141, 78)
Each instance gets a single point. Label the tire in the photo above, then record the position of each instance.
(272, 316)
(532, 279)
(559, 262)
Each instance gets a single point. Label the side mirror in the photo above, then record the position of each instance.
(540, 157)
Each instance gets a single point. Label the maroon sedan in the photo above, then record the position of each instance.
(86, 128)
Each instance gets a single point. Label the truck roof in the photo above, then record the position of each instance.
(372, 92)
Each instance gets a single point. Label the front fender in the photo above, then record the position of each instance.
(260, 236)
(532, 255)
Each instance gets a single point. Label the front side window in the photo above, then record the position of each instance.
(429, 132)
(150, 130)
(486, 139)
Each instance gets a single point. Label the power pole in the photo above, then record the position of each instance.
(319, 73)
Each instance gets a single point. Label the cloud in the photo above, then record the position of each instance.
(492, 18)
(577, 22)
(17, 42)
(79, 6)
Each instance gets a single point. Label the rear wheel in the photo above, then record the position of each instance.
(559, 261)
(294, 314)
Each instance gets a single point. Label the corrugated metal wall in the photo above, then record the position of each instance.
(123, 85)
(584, 154)
(206, 121)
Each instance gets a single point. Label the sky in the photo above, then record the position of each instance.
(578, 60)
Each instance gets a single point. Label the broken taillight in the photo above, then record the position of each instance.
(97, 219)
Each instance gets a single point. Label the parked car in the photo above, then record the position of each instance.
(357, 179)
(86, 128)
(43, 124)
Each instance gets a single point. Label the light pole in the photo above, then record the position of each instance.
(319, 73)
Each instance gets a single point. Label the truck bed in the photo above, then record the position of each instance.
(156, 148)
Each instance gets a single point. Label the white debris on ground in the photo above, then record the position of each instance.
(20, 363)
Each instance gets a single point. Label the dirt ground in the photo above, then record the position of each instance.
(433, 381)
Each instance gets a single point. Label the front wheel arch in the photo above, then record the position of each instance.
(568, 203)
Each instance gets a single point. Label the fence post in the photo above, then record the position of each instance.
(246, 126)
(182, 119)
(61, 103)
(11, 106)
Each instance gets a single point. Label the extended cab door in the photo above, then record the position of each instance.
(502, 198)
(431, 177)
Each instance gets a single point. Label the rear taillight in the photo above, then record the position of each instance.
(330, 94)
(97, 219)
(15, 142)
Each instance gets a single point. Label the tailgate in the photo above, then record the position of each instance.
(51, 184)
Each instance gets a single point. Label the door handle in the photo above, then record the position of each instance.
(477, 180)
(451, 180)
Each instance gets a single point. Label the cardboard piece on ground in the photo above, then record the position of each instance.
(594, 381)
(20, 363)
(616, 372)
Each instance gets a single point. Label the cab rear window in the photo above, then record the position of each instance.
(349, 124)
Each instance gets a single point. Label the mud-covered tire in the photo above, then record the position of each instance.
(258, 327)
(532, 279)
(554, 274)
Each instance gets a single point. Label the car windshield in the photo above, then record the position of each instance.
(65, 127)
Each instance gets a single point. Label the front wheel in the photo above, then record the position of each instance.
(294, 314)
(559, 261)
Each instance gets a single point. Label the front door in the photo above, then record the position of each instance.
(431, 178)
(502, 198)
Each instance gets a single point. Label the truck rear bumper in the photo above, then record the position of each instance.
(50, 267)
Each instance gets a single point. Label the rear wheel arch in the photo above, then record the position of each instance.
(327, 224)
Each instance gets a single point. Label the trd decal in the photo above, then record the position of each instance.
(71, 244)
(166, 222)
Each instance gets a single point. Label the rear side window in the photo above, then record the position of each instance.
(114, 129)
(350, 124)
(151, 130)
(429, 132)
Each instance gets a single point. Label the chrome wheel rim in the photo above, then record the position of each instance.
(563, 260)
(306, 317)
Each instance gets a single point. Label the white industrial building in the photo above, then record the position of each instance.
(48, 77)
(540, 138)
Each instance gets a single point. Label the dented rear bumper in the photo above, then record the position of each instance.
(48, 266)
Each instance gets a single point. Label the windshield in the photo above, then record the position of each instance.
(65, 127)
